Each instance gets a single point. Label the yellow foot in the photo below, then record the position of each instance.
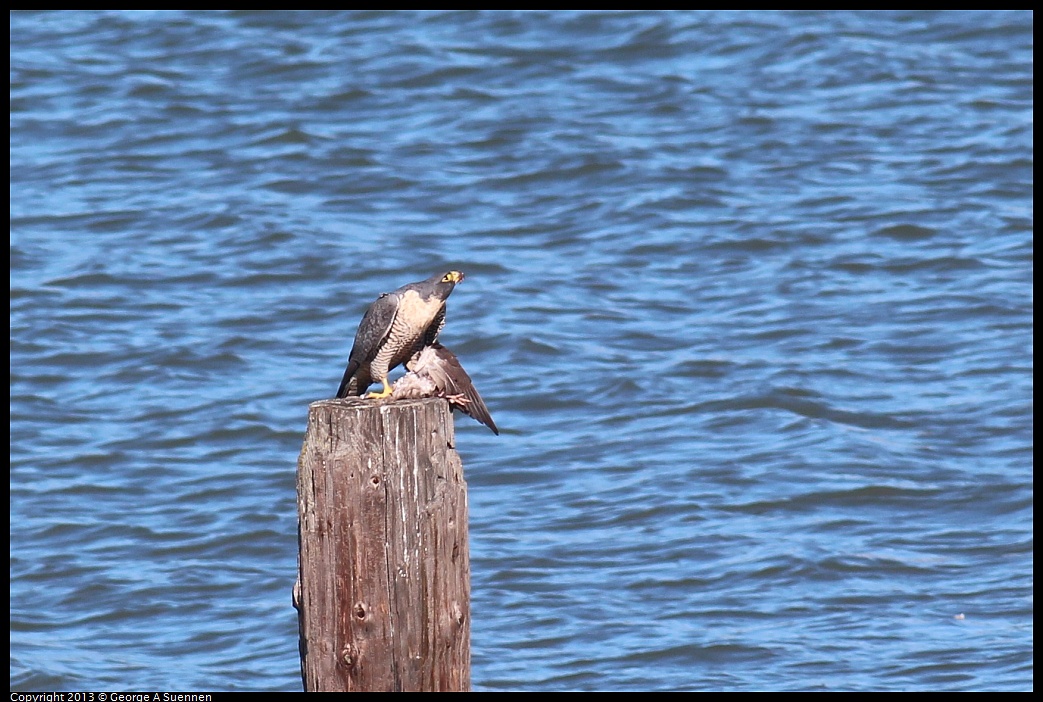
(382, 394)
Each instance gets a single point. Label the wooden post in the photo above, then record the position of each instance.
(383, 595)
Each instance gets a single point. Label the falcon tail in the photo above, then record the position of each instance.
(350, 371)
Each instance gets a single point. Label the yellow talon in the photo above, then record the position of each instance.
(383, 393)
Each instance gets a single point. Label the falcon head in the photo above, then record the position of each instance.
(443, 283)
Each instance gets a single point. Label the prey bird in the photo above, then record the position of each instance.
(435, 371)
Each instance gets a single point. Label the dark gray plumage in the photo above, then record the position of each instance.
(435, 371)
(396, 325)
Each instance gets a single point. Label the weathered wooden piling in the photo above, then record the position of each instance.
(383, 597)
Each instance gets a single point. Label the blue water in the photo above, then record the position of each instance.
(749, 295)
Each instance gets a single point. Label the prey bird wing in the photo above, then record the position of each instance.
(435, 370)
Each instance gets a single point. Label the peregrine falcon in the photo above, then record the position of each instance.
(396, 325)
(435, 371)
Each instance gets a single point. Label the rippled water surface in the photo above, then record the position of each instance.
(748, 294)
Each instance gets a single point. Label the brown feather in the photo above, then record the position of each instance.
(435, 371)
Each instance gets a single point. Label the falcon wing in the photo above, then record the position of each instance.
(434, 329)
(373, 330)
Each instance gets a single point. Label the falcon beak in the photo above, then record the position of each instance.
(453, 277)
